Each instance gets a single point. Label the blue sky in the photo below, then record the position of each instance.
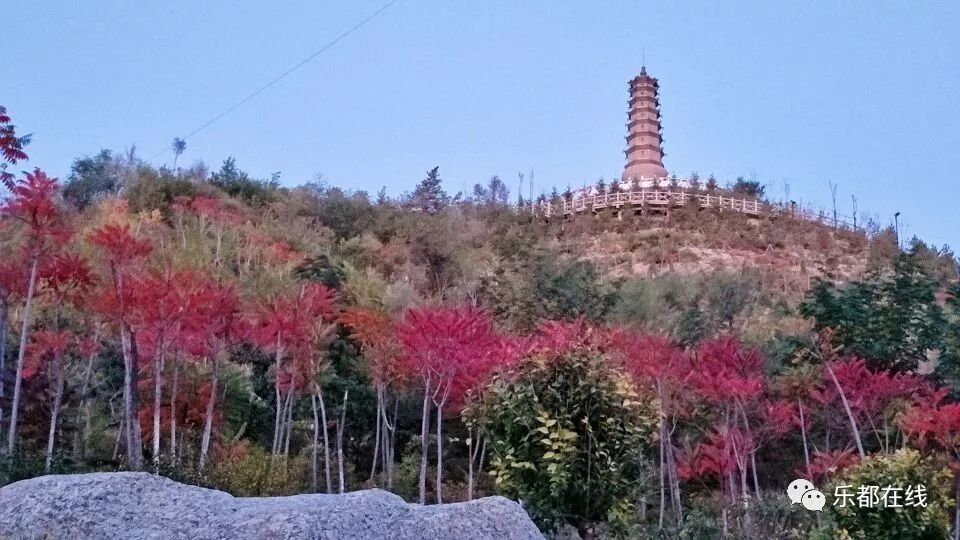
(866, 94)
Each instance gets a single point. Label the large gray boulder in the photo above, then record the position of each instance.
(139, 505)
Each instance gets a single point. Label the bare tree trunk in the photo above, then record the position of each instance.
(121, 429)
(157, 403)
(21, 355)
(663, 495)
(52, 435)
(424, 423)
(84, 413)
(340, 427)
(753, 452)
(376, 437)
(130, 409)
(173, 409)
(289, 424)
(483, 454)
(326, 442)
(439, 487)
(208, 421)
(278, 395)
(803, 435)
(846, 406)
(674, 478)
(316, 442)
(393, 444)
(4, 312)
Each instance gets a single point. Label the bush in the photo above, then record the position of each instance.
(566, 433)
(903, 468)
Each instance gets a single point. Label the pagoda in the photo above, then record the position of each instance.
(644, 141)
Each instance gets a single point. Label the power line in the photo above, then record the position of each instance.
(283, 75)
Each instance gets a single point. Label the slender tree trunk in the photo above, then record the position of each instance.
(471, 457)
(21, 355)
(473, 452)
(121, 430)
(340, 428)
(393, 444)
(52, 435)
(289, 424)
(663, 436)
(803, 435)
(173, 409)
(753, 452)
(483, 454)
(326, 442)
(439, 488)
(208, 422)
(424, 443)
(316, 442)
(157, 403)
(663, 494)
(4, 311)
(846, 406)
(278, 395)
(87, 428)
(81, 448)
(674, 478)
(376, 437)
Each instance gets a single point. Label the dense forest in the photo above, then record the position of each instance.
(240, 334)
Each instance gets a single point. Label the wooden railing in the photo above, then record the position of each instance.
(653, 198)
(646, 197)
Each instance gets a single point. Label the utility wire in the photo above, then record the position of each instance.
(283, 75)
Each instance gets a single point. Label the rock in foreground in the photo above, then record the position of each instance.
(140, 505)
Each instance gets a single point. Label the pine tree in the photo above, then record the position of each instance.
(429, 195)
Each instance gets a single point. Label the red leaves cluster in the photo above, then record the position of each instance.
(294, 327)
(449, 348)
(933, 423)
(120, 247)
(11, 147)
(46, 347)
(68, 277)
(828, 464)
(376, 333)
(33, 202)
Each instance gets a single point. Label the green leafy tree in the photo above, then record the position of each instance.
(429, 195)
(891, 319)
(750, 188)
(91, 177)
(239, 184)
(566, 433)
(901, 469)
(495, 194)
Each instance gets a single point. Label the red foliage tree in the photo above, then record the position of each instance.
(122, 252)
(729, 376)
(657, 365)
(11, 148)
(47, 354)
(443, 347)
(33, 203)
(376, 334)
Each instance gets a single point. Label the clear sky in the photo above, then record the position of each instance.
(863, 93)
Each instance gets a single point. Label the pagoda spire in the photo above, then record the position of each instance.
(644, 141)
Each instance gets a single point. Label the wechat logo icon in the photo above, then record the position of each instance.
(803, 492)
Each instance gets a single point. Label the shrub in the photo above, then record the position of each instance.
(903, 468)
(566, 433)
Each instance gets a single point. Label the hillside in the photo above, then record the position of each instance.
(267, 340)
